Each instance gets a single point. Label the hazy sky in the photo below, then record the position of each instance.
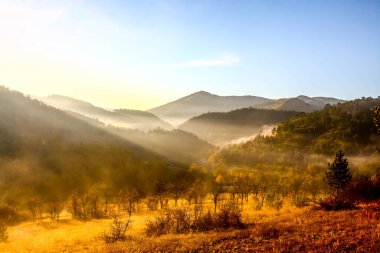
(140, 54)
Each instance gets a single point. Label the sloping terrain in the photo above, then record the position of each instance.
(348, 127)
(48, 153)
(180, 110)
(133, 119)
(320, 102)
(224, 127)
(289, 104)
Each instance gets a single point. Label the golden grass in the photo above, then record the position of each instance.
(289, 230)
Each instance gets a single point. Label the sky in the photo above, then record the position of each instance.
(141, 54)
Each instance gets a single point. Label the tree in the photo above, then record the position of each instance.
(159, 189)
(127, 200)
(33, 206)
(180, 184)
(3, 233)
(338, 173)
(376, 120)
(376, 117)
(217, 189)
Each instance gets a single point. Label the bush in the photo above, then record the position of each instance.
(3, 233)
(179, 221)
(361, 190)
(228, 217)
(275, 200)
(335, 204)
(204, 222)
(9, 215)
(117, 230)
(299, 200)
(175, 221)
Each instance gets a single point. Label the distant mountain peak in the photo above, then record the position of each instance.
(182, 109)
(202, 92)
(303, 97)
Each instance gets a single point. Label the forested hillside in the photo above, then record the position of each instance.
(222, 128)
(347, 127)
(48, 154)
(133, 119)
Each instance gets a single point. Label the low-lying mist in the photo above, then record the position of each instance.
(263, 131)
(225, 128)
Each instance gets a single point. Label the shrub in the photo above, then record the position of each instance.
(335, 204)
(299, 200)
(179, 221)
(117, 230)
(3, 233)
(275, 200)
(159, 225)
(9, 215)
(360, 190)
(204, 222)
(175, 221)
(228, 217)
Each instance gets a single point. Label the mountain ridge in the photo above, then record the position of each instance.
(221, 128)
(182, 109)
(134, 119)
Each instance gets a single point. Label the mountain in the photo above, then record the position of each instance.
(225, 127)
(48, 153)
(201, 102)
(176, 145)
(180, 110)
(31, 120)
(124, 118)
(320, 102)
(173, 145)
(311, 138)
(288, 104)
(348, 126)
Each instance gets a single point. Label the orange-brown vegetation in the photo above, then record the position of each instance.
(307, 229)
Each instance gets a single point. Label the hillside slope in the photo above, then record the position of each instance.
(348, 127)
(48, 154)
(224, 127)
(289, 104)
(133, 119)
(180, 110)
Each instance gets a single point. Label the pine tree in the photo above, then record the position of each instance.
(338, 173)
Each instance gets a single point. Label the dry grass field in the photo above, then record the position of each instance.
(288, 230)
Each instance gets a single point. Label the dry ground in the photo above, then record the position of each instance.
(290, 230)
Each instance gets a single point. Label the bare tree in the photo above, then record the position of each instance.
(33, 206)
(54, 209)
(160, 190)
(217, 189)
(128, 200)
(264, 187)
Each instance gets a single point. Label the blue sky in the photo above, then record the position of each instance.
(140, 54)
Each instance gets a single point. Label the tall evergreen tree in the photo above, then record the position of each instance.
(338, 173)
